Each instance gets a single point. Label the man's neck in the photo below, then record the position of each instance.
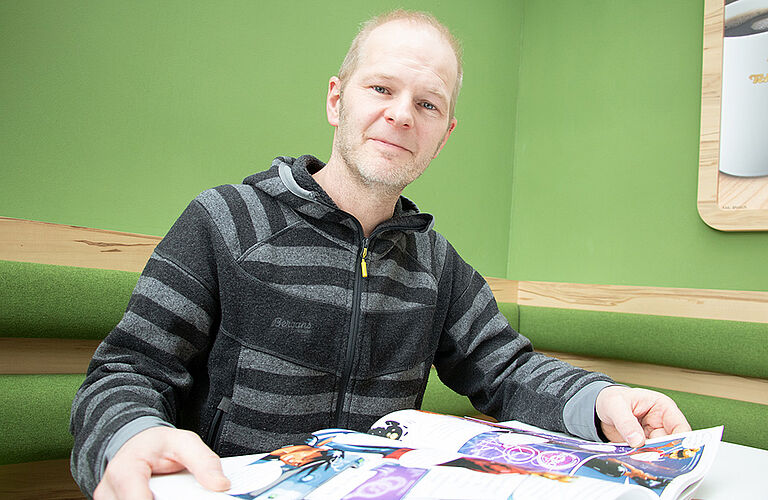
(368, 204)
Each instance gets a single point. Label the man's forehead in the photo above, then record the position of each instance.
(410, 42)
(403, 33)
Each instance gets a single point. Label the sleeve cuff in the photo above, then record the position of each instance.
(125, 433)
(579, 414)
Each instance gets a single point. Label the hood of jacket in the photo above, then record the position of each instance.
(290, 181)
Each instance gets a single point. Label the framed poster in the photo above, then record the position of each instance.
(733, 155)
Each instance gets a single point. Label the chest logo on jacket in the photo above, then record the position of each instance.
(286, 324)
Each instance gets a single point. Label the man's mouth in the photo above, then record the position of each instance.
(390, 144)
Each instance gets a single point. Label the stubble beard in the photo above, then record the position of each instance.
(387, 179)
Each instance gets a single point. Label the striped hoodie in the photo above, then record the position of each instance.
(265, 314)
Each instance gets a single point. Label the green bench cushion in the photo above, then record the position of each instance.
(41, 300)
(734, 347)
(34, 416)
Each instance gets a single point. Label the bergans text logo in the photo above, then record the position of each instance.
(292, 325)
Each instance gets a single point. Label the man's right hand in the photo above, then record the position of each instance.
(158, 450)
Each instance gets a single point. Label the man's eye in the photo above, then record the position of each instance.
(379, 89)
(428, 105)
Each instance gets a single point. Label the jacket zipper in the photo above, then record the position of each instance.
(361, 271)
(363, 266)
(214, 431)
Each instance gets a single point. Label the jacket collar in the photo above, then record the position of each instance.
(290, 180)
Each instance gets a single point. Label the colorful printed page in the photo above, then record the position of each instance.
(337, 464)
(668, 466)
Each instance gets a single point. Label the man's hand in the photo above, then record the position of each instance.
(631, 415)
(158, 450)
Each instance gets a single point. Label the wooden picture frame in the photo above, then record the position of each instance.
(725, 202)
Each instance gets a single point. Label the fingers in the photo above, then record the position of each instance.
(158, 450)
(201, 461)
(661, 416)
(635, 414)
(674, 420)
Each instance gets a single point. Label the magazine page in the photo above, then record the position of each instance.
(337, 464)
(667, 466)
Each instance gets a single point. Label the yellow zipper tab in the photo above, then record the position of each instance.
(362, 263)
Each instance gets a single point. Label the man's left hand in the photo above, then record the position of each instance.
(631, 415)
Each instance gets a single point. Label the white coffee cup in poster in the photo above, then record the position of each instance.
(744, 106)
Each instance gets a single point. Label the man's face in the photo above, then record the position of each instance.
(392, 116)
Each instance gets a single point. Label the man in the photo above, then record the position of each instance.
(314, 295)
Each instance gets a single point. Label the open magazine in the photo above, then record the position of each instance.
(410, 454)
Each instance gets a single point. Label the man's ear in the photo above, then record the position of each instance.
(452, 126)
(332, 101)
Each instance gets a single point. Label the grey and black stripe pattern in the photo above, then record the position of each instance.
(252, 325)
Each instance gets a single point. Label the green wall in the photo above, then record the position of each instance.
(115, 114)
(606, 151)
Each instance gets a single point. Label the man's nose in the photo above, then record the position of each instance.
(400, 112)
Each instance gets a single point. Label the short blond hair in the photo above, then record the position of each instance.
(352, 59)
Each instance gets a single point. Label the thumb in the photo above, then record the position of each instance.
(628, 427)
(615, 411)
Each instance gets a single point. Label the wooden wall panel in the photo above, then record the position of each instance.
(503, 290)
(46, 243)
(48, 356)
(46, 479)
(734, 305)
(753, 390)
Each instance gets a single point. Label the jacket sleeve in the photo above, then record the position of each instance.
(146, 365)
(480, 355)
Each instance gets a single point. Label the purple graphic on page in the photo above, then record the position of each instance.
(556, 460)
(516, 454)
(391, 482)
(489, 446)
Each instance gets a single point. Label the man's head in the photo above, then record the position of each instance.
(393, 102)
(352, 59)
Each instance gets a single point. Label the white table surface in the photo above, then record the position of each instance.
(739, 472)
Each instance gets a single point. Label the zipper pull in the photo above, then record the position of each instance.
(362, 262)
